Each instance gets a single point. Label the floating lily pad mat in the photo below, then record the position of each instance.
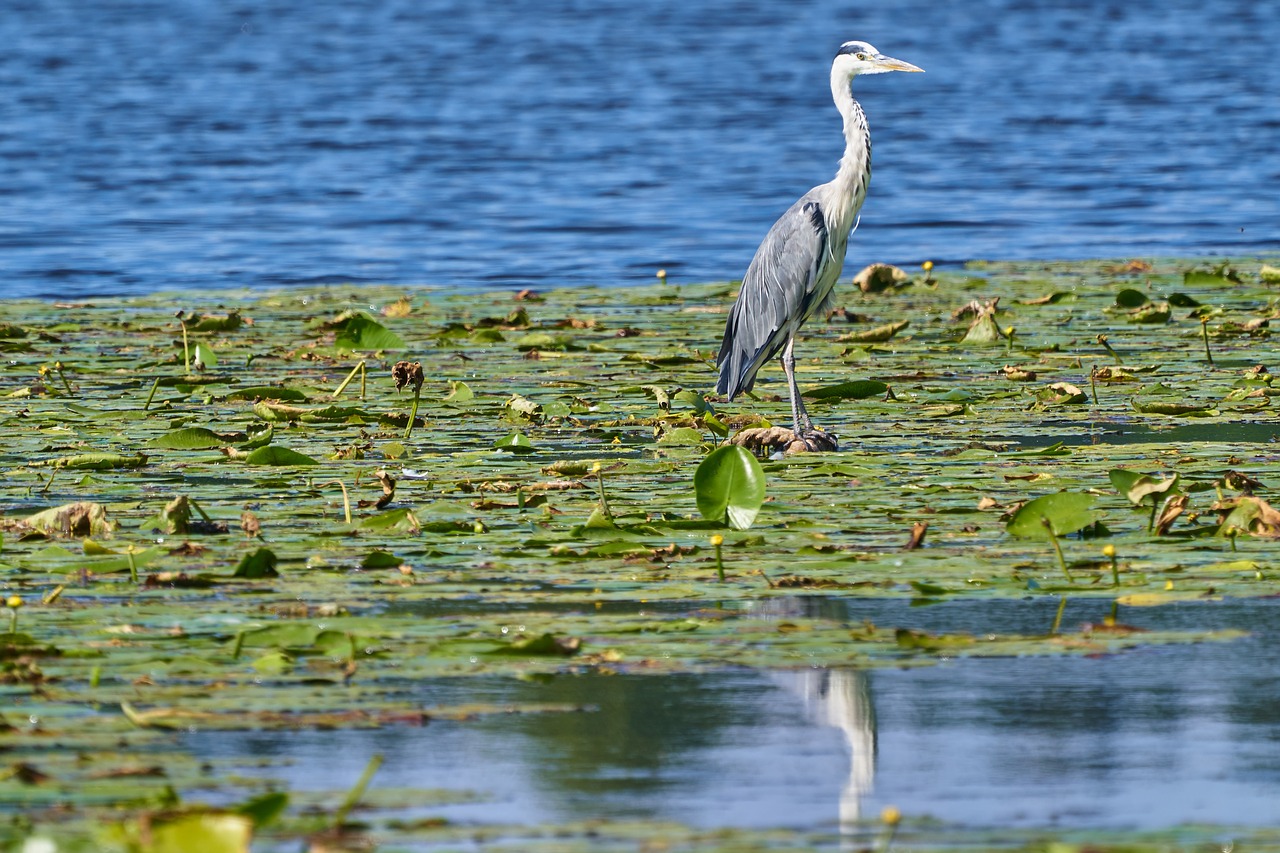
(219, 513)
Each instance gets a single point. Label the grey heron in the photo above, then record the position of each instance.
(793, 272)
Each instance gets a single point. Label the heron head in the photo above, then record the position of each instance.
(858, 57)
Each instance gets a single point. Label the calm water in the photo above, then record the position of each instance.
(161, 144)
(1147, 739)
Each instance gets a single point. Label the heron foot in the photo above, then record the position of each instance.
(765, 441)
(813, 440)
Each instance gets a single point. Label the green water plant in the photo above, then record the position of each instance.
(1051, 516)
(1138, 487)
(409, 373)
(14, 604)
(717, 542)
(359, 370)
(1057, 616)
(1204, 333)
(729, 487)
(598, 470)
(1109, 551)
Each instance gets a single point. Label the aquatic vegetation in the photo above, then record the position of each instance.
(729, 487)
(201, 536)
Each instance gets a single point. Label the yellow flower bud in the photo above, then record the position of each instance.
(13, 602)
(662, 274)
(891, 815)
(717, 540)
(927, 266)
(1109, 551)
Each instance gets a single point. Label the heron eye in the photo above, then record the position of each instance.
(862, 56)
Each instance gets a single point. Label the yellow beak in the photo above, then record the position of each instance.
(888, 63)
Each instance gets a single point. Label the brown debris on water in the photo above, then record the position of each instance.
(1172, 509)
(877, 277)
(767, 440)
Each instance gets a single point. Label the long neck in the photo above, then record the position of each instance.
(849, 187)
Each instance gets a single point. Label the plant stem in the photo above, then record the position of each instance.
(151, 396)
(413, 412)
(133, 565)
(1204, 330)
(1057, 549)
(1057, 617)
(604, 499)
(359, 368)
(719, 562)
(186, 349)
(57, 365)
(354, 795)
(1102, 339)
(346, 500)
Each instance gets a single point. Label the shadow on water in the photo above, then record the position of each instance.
(1147, 739)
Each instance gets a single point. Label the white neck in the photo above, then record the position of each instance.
(846, 192)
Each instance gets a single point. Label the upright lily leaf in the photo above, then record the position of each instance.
(459, 392)
(358, 332)
(260, 564)
(1147, 487)
(1065, 512)
(1251, 515)
(1122, 479)
(1130, 298)
(729, 487)
(204, 356)
(263, 809)
(514, 443)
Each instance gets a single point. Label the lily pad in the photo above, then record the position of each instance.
(1061, 513)
(730, 487)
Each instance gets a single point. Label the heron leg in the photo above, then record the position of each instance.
(802, 424)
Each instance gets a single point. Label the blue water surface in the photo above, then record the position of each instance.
(185, 144)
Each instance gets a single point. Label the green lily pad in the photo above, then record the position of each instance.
(730, 487)
(1061, 513)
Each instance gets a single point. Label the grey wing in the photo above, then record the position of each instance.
(777, 292)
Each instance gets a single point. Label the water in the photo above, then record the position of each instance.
(1147, 739)
(178, 144)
